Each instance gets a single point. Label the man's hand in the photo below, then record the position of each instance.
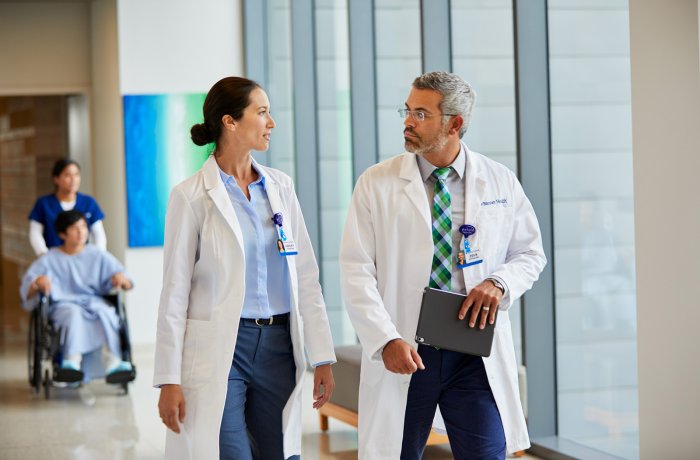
(120, 281)
(41, 284)
(171, 406)
(484, 300)
(401, 358)
(323, 375)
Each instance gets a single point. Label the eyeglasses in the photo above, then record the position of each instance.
(419, 115)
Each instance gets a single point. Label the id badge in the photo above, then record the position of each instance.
(285, 245)
(468, 256)
(471, 258)
(287, 248)
(467, 259)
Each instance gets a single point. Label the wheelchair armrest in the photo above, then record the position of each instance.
(116, 298)
(112, 298)
(42, 308)
(43, 300)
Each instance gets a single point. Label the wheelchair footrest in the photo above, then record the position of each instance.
(61, 374)
(121, 376)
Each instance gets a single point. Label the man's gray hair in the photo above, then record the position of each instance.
(457, 95)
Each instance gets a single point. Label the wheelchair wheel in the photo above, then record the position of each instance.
(34, 354)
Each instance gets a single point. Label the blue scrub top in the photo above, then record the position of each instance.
(47, 208)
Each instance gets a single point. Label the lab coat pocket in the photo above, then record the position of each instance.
(491, 217)
(495, 224)
(198, 353)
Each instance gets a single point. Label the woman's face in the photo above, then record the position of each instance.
(69, 179)
(255, 126)
(75, 235)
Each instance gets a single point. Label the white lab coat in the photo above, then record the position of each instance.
(201, 302)
(385, 261)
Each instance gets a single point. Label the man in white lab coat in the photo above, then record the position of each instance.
(444, 216)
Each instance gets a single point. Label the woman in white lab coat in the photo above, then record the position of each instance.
(241, 302)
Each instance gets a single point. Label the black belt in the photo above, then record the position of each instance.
(277, 320)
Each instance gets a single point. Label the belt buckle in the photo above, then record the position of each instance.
(271, 320)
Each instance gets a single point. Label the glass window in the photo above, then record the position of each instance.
(398, 63)
(335, 150)
(482, 54)
(279, 85)
(593, 213)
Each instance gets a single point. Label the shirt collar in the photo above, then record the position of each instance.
(230, 179)
(459, 165)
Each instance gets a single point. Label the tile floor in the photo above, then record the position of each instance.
(96, 422)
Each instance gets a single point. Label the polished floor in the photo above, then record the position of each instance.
(98, 422)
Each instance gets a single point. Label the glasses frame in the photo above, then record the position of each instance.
(419, 115)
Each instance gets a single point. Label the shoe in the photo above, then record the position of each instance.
(68, 372)
(121, 373)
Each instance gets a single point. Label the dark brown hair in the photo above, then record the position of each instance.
(62, 164)
(228, 96)
(65, 219)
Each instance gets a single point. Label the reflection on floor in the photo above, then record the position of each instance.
(97, 422)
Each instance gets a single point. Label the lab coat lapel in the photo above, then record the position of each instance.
(474, 189)
(273, 197)
(217, 192)
(415, 189)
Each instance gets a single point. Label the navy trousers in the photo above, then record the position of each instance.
(260, 382)
(458, 384)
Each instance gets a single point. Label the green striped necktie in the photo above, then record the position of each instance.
(441, 273)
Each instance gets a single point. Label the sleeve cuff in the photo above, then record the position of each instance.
(377, 355)
(503, 283)
(160, 380)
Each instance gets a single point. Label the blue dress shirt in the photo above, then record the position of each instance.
(267, 285)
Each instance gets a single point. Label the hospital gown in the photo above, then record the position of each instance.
(86, 320)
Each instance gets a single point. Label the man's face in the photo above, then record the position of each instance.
(429, 135)
(76, 234)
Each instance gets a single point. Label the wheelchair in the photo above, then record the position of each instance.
(44, 349)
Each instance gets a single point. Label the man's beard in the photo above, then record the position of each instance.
(420, 148)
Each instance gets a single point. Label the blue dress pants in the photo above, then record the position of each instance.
(260, 382)
(457, 383)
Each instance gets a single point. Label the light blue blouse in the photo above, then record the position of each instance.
(267, 285)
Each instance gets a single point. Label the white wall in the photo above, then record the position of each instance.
(194, 45)
(666, 138)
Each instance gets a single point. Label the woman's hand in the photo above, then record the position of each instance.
(323, 376)
(171, 406)
(120, 281)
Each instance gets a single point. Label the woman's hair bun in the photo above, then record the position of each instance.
(201, 135)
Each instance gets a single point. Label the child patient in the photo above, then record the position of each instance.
(75, 276)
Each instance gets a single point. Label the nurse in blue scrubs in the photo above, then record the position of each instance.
(66, 179)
